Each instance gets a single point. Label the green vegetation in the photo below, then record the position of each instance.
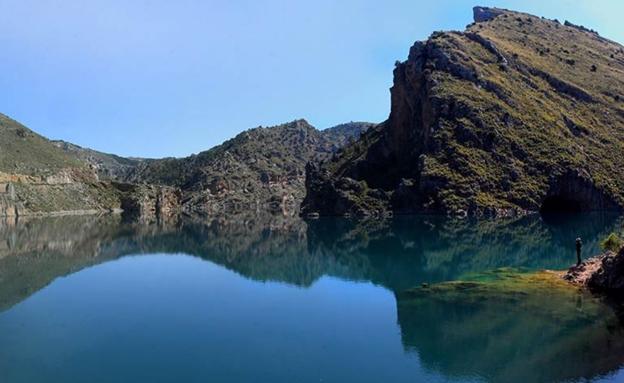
(612, 243)
(495, 119)
(258, 166)
(24, 152)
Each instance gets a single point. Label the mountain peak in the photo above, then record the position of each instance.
(482, 14)
(516, 114)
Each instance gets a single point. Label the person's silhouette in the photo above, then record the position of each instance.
(579, 246)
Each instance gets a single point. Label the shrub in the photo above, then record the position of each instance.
(612, 243)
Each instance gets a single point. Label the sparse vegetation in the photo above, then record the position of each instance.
(544, 116)
(612, 243)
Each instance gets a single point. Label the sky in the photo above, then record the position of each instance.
(155, 78)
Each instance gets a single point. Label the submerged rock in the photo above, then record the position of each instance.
(603, 273)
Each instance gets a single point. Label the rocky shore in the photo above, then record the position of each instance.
(602, 273)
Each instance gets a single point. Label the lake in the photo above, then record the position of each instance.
(277, 299)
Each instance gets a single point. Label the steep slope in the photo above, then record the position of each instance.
(24, 152)
(515, 114)
(36, 177)
(107, 166)
(262, 168)
(43, 177)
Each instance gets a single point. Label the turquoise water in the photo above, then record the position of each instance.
(276, 299)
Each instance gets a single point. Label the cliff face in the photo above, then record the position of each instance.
(515, 114)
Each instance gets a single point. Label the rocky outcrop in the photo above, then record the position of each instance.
(481, 14)
(69, 191)
(9, 205)
(107, 166)
(506, 118)
(149, 202)
(603, 273)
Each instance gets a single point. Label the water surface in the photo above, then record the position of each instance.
(251, 299)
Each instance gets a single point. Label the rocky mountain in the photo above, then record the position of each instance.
(108, 166)
(515, 114)
(41, 177)
(260, 169)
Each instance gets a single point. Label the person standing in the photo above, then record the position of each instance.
(579, 246)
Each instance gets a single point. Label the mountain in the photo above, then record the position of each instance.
(515, 114)
(37, 177)
(43, 177)
(107, 166)
(259, 169)
(22, 151)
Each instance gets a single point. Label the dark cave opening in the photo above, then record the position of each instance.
(560, 204)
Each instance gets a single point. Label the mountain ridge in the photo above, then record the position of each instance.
(516, 114)
(260, 168)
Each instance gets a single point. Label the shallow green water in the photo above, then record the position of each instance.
(277, 299)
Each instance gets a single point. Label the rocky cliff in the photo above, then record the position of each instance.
(258, 170)
(515, 114)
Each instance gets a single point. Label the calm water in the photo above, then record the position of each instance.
(276, 299)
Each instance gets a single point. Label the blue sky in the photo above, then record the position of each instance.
(170, 78)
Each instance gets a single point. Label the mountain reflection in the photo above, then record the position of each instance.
(508, 336)
(397, 254)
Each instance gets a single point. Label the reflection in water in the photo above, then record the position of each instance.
(497, 334)
(517, 328)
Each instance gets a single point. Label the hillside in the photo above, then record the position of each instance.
(41, 177)
(261, 168)
(107, 166)
(22, 151)
(516, 114)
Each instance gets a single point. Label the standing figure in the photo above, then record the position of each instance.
(579, 246)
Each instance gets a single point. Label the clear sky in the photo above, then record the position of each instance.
(169, 78)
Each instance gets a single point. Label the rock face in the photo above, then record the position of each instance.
(258, 170)
(481, 14)
(515, 114)
(604, 273)
(107, 166)
(149, 202)
(9, 205)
